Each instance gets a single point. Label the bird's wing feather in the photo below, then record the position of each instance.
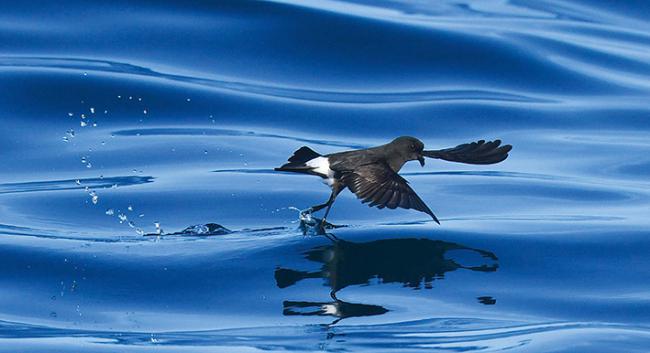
(479, 152)
(350, 160)
(379, 185)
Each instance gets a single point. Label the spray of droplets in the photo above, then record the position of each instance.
(123, 218)
(94, 198)
(89, 116)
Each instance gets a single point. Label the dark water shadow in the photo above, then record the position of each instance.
(415, 263)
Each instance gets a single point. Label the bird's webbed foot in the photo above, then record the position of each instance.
(306, 215)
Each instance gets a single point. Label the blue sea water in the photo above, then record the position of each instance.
(126, 118)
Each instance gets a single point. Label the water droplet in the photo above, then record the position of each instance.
(110, 212)
(94, 124)
(131, 224)
(103, 143)
(78, 182)
(92, 110)
(85, 74)
(83, 123)
(94, 197)
(70, 133)
(83, 116)
(141, 215)
(89, 165)
(140, 99)
(130, 208)
(139, 231)
(83, 160)
(205, 151)
(70, 114)
(144, 111)
(159, 230)
(65, 139)
(119, 97)
(130, 97)
(188, 99)
(122, 217)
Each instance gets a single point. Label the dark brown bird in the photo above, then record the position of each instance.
(371, 173)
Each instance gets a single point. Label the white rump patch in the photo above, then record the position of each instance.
(321, 166)
(330, 309)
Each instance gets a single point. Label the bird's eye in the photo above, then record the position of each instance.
(412, 147)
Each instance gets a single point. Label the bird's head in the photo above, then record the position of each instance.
(409, 148)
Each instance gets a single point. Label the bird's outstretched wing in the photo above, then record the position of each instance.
(479, 152)
(382, 187)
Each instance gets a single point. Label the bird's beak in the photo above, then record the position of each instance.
(421, 159)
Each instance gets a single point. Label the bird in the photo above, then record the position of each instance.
(372, 173)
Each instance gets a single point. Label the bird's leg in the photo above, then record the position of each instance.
(305, 215)
(336, 189)
(313, 209)
(333, 295)
(327, 211)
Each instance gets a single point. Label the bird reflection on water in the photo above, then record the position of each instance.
(415, 263)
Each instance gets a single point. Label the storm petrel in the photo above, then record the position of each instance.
(371, 174)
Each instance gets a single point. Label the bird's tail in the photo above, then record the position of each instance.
(298, 160)
(479, 152)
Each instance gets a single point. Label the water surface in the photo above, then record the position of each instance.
(126, 119)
